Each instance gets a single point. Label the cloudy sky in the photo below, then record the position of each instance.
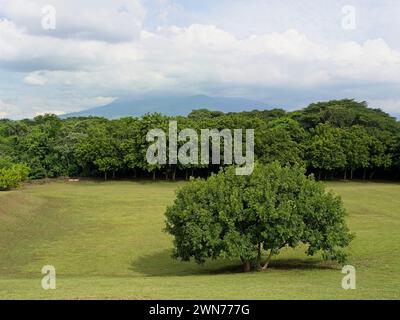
(282, 52)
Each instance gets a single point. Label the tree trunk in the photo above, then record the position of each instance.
(114, 175)
(105, 175)
(154, 175)
(265, 267)
(345, 174)
(187, 175)
(258, 262)
(174, 174)
(397, 174)
(351, 174)
(372, 174)
(246, 266)
(365, 174)
(134, 174)
(319, 175)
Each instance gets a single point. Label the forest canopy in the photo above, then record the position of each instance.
(335, 139)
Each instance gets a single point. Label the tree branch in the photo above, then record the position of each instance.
(265, 267)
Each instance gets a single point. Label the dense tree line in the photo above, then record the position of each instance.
(335, 139)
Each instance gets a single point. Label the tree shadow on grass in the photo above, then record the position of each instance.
(302, 264)
(161, 264)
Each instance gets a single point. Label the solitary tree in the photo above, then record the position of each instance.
(229, 216)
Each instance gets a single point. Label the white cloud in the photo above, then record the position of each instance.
(35, 78)
(374, 61)
(101, 48)
(201, 55)
(72, 104)
(115, 20)
(7, 109)
(102, 101)
(23, 51)
(56, 112)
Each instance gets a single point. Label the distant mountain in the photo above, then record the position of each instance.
(170, 106)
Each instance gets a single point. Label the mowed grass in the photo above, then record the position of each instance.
(106, 240)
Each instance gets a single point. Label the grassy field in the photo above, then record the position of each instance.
(106, 241)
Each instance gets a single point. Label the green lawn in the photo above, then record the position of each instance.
(106, 241)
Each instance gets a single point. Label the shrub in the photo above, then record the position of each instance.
(12, 176)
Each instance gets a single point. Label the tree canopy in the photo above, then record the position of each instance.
(229, 216)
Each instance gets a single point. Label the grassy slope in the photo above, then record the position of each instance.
(106, 241)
